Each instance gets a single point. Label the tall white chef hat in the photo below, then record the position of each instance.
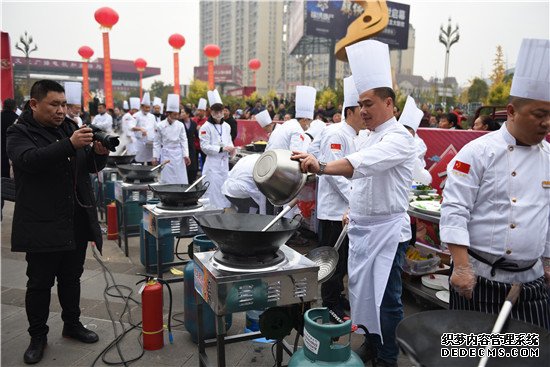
(351, 97)
(173, 103)
(146, 100)
(125, 105)
(411, 115)
(263, 118)
(214, 97)
(369, 62)
(73, 92)
(305, 101)
(134, 103)
(161, 107)
(202, 104)
(532, 75)
(316, 128)
(157, 101)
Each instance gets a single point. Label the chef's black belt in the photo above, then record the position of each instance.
(501, 264)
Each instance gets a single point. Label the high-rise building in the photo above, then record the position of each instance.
(246, 30)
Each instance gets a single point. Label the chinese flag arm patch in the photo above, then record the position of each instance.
(203, 132)
(462, 167)
(336, 146)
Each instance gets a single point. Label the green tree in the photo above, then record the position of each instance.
(499, 94)
(478, 90)
(327, 94)
(159, 89)
(197, 89)
(498, 66)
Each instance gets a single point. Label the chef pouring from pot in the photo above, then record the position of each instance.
(379, 229)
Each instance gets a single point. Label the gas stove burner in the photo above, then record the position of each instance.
(178, 207)
(139, 182)
(244, 263)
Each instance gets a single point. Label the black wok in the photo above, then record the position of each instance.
(175, 195)
(240, 234)
(419, 336)
(136, 172)
(259, 147)
(115, 160)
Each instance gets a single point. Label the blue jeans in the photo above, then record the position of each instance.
(391, 310)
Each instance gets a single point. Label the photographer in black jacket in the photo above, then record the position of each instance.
(55, 211)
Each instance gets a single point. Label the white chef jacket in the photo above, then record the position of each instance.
(385, 163)
(76, 119)
(421, 149)
(216, 168)
(144, 144)
(497, 201)
(129, 122)
(333, 192)
(240, 182)
(104, 122)
(288, 136)
(171, 136)
(315, 146)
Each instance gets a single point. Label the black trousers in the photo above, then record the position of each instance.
(532, 306)
(243, 205)
(334, 286)
(42, 270)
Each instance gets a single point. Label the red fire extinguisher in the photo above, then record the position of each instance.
(152, 312)
(112, 222)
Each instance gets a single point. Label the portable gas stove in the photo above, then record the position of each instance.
(285, 278)
(129, 197)
(161, 221)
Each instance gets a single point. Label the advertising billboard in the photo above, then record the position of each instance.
(222, 74)
(396, 34)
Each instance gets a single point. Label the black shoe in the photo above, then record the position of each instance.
(35, 351)
(366, 352)
(80, 333)
(382, 363)
(344, 303)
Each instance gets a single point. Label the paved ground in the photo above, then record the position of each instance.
(65, 352)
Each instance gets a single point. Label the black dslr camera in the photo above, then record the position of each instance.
(109, 141)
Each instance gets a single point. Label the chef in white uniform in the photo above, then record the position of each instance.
(240, 188)
(73, 93)
(216, 143)
(171, 145)
(290, 135)
(145, 131)
(128, 123)
(496, 202)
(314, 131)
(382, 176)
(410, 118)
(333, 193)
(103, 120)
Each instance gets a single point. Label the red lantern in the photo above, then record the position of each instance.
(176, 41)
(86, 52)
(254, 64)
(211, 51)
(106, 16)
(140, 64)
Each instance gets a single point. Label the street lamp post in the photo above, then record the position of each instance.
(447, 37)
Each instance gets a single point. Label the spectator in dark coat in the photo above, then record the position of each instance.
(192, 132)
(228, 117)
(7, 119)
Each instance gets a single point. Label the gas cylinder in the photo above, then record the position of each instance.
(112, 221)
(151, 314)
(200, 243)
(320, 349)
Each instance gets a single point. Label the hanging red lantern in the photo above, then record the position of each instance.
(211, 51)
(106, 16)
(176, 41)
(140, 64)
(86, 52)
(254, 64)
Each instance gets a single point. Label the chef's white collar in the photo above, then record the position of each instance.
(385, 125)
(509, 138)
(349, 130)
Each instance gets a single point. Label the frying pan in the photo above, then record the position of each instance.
(419, 336)
(177, 195)
(326, 257)
(115, 160)
(239, 234)
(136, 172)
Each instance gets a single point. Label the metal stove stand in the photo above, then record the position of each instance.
(128, 195)
(178, 223)
(107, 178)
(227, 291)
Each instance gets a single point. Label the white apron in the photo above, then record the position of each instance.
(373, 243)
(216, 170)
(175, 171)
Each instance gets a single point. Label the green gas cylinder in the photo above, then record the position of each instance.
(320, 349)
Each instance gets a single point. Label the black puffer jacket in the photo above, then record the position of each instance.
(45, 167)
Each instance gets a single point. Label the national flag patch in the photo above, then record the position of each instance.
(462, 167)
(203, 132)
(302, 137)
(336, 146)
